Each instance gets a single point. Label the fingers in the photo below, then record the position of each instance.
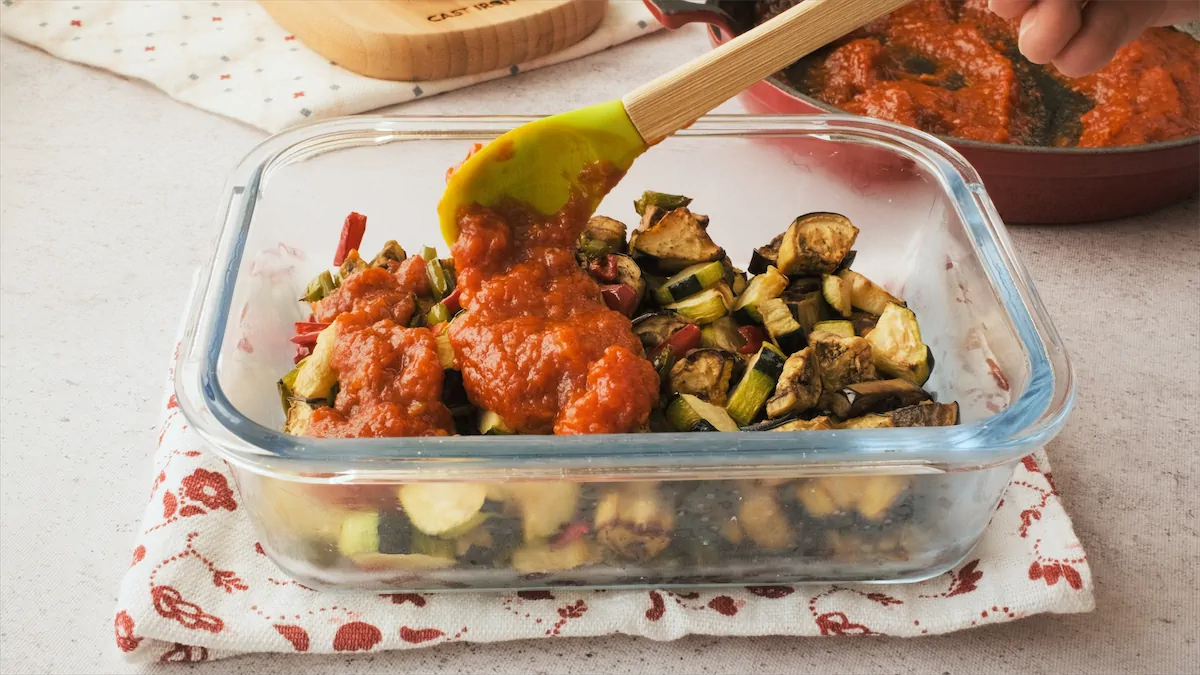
(1047, 28)
(1009, 9)
(1107, 26)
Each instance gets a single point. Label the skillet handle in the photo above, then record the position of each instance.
(674, 14)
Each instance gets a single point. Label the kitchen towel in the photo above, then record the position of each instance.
(200, 587)
(231, 57)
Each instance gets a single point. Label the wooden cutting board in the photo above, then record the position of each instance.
(435, 39)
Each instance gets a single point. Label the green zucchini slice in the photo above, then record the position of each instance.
(785, 331)
(866, 294)
(319, 287)
(702, 308)
(837, 294)
(769, 284)
(816, 243)
(690, 281)
(751, 393)
(661, 200)
(896, 345)
(843, 328)
(686, 412)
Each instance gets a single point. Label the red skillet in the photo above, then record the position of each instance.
(1027, 184)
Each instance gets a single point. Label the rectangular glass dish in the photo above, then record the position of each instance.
(861, 505)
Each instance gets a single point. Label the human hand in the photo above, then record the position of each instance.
(1080, 36)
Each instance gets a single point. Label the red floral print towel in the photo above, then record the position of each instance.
(199, 586)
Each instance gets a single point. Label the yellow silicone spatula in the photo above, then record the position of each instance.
(538, 163)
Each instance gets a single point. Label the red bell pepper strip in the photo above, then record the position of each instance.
(302, 351)
(603, 268)
(570, 533)
(754, 336)
(474, 149)
(451, 301)
(680, 342)
(307, 339)
(620, 297)
(352, 234)
(310, 326)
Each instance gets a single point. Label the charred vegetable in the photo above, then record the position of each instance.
(896, 345)
(751, 393)
(769, 284)
(391, 252)
(799, 386)
(299, 416)
(765, 256)
(842, 328)
(815, 244)
(722, 334)
(874, 397)
(821, 423)
(785, 331)
(869, 421)
(763, 519)
(705, 373)
(491, 424)
(352, 264)
(629, 274)
(660, 200)
(690, 281)
(315, 378)
(702, 308)
(841, 360)
(542, 558)
(319, 287)
(870, 496)
(836, 293)
(686, 412)
(634, 521)
(654, 329)
(866, 294)
(927, 414)
(675, 242)
(544, 507)
(602, 235)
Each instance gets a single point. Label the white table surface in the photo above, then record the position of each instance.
(107, 195)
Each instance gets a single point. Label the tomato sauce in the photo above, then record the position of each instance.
(377, 293)
(537, 344)
(953, 68)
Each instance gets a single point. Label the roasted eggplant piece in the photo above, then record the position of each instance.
(751, 393)
(687, 412)
(630, 274)
(440, 508)
(877, 396)
(763, 519)
(690, 281)
(542, 558)
(316, 378)
(653, 329)
(299, 416)
(842, 328)
(769, 284)
(634, 521)
(544, 507)
(722, 334)
(782, 327)
(704, 373)
(870, 496)
(868, 421)
(808, 308)
(391, 252)
(704, 307)
(675, 242)
(866, 294)
(352, 264)
(734, 277)
(660, 200)
(927, 414)
(816, 244)
(837, 294)
(454, 393)
(896, 345)
(821, 423)
(841, 360)
(799, 386)
(765, 256)
(863, 322)
(602, 235)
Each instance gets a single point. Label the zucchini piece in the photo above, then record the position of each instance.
(769, 284)
(630, 274)
(543, 558)
(352, 264)
(439, 313)
(607, 231)
(809, 309)
(705, 373)
(436, 508)
(395, 532)
(316, 378)
(661, 200)
(722, 334)
(751, 393)
(868, 421)
(727, 292)
(765, 256)
(763, 519)
(799, 385)
(634, 521)
(863, 322)
(545, 507)
(440, 281)
(359, 534)
(841, 360)
(836, 293)
(896, 345)
(434, 547)
(675, 242)
(799, 288)
(391, 251)
(654, 328)
(490, 424)
(734, 277)
(821, 423)
(874, 397)
(866, 294)
(286, 383)
(321, 286)
(870, 496)
(785, 331)
(428, 253)
(927, 414)
(816, 243)
(690, 281)
(686, 412)
(593, 248)
(445, 351)
(299, 416)
(702, 308)
(843, 328)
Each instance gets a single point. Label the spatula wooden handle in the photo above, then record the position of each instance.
(674, 100)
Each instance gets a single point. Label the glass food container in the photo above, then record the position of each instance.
(863, 505)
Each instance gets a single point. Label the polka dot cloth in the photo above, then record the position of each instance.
(231, 58)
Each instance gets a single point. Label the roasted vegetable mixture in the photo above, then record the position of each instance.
(803, 342)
